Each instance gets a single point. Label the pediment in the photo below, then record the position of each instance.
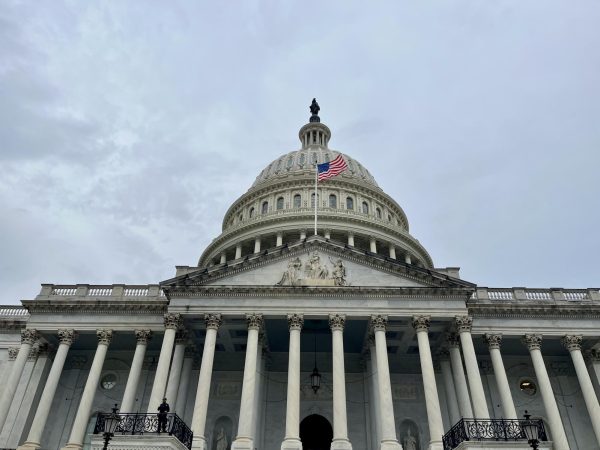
(317, 263)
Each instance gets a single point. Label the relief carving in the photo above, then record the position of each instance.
(316, 273)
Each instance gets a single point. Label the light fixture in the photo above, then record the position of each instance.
(315, 376)
(531, 430)
(110, 425)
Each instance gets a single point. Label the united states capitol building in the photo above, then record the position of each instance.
(280, 338)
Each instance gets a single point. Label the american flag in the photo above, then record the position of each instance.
(332, 168)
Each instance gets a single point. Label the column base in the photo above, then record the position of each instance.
(199, 443)
(341, 444)
(390, 445)
(29, 446)
(291, 444)
(242, 443)
(72, 446)
(436, 445)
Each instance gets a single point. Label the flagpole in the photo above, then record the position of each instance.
(316, 199)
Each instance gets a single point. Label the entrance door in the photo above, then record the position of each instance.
(316, 433)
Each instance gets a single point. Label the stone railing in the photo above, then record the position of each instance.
(15, 312)
(111, 291)
(550, 295)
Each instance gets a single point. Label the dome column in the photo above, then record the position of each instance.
(238, 251)
(392, 251)
(279, 242)
(257, 244)
(373, 245)
(351, 239)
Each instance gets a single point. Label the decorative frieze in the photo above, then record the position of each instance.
(66, 336)
(421, 323)
(533, 341)
(295, 321)
(572, 342)
(173, 321)
(463, 324)
(104, 336)
(255, 321)
(143, 336)
(29, 336)
(337, 321)
(213, 320)
(378, 322)
(493, 340)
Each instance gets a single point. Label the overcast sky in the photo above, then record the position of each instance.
(128, 128)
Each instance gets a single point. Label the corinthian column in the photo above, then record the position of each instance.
(28, 338)
(172, 324)
(87, 398)
(245, 438)
(508, 407)
(386, 403)
(213, 322)
(559, 438)
(176, 366)
(340, 422)
(460, 380)
(432, 402)
(451, 400)
(573, 344)
(142, 337)
(463, 326)
(292, 413)
(34, 438)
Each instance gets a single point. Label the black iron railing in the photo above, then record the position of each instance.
(148, 424)
(489, 430)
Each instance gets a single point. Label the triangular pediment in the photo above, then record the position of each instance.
(319, 263)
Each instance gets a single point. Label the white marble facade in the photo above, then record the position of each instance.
(404, 349)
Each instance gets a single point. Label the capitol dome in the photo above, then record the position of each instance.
(279, 209)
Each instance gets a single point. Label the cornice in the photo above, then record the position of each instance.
(532, 310)
(79, 306)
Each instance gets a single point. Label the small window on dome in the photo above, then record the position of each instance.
(290, 161)
(365, 208)
(349, 203)
(302, 159)
(251, 212)
(332, 201)
(314, 158)
(280, 203)
(312, 200)
(265, 208)
(327, 158)
(378, 213)
(350, 165)
(297, 201)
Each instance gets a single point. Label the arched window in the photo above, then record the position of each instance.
(251, 213)
(378, 213)
(302, 159)
(297, 201)
(365, 208)
(349, 203)
(312, 200)
(280, 203)
(332, 201)
(265, 208)
(289, 162)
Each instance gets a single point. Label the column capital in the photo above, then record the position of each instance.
(593, 355)
(295, 321)
(421, 323)
(453, 340)
(172, 321)
(104, 336)
(463, 323)
(181, 336)
(43, 350)
(142, 336)
(493, 340)
(337, 321)
(255, 321)
(378, 322)
(533, 341)
(213, 321)
(29, 336)
(66, 336)
(33, 353)
(12, 353)
(572, 342)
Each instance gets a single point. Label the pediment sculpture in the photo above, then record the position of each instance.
(316, 272)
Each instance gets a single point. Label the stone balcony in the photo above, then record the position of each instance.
(114, 291)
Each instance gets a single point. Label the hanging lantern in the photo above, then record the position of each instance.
(315, 379)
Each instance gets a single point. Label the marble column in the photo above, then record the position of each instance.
(463, 326)
(375, 387)
(238, 251)
(386, 403)
(432, 401)
(460, 381)
(573, 344)
(87, 397)
(451, 399)
(176, 366)
(292, 413)
(508, 407)
(407, 259)
(28, 338)
(559, 438)
(172, 323)
(340, 421)
(279, 239)
(223, 259)
(244, 439)
(350, 239)
(42, 412)
(213, 322)
(594, 356)
(128, 404)
(186, 373)
(373, 245)
(302, 235)
(392, 251)
(257, 244)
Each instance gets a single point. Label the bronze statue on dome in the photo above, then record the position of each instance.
(314, 107)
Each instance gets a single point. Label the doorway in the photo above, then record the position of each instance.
(316, 433)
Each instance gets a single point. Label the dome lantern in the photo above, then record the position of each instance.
(314, 133)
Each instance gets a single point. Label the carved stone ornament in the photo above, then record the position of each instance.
(378, 322)
(104, 336)
(12, 353)
(533, 341)
(66, 336)
(44, 350)
(593, 355)
(143, 336)
(255, 321)
(463, 323)
(181, 337)
(316, 272)
(453, 340)
(213, 320)
(29, 336)
(572, 343)
(493, 340)
(173, 321)
(337, 321)
(295, 321)
(33, 353)
(421, 323)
